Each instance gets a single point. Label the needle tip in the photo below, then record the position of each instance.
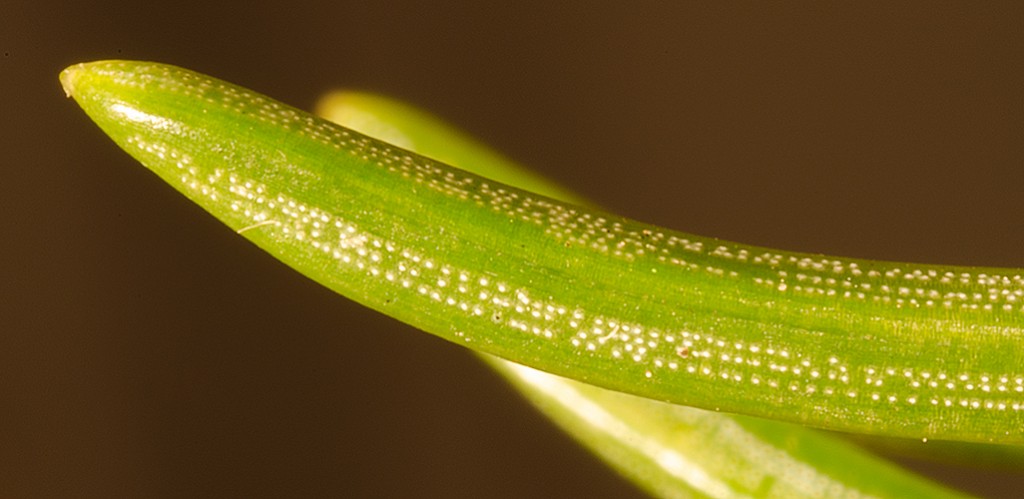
(68, 78)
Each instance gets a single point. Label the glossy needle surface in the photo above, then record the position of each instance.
(875, 347)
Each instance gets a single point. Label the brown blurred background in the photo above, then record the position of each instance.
(146, 351)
